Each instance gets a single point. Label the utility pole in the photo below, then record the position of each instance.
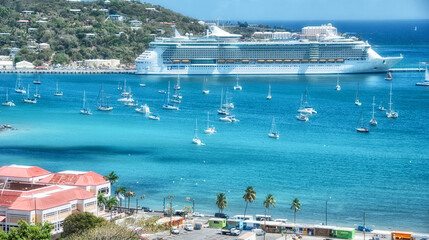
(171, 212)
(326, 211)
(364, 226)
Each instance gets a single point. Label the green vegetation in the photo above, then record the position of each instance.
(112, 178)
(269, 201)
(55, 22)
(105, 231)
(80, 222)
(37, 231)
(249, 196)
(221, 201)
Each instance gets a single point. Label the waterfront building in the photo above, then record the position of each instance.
(97, 63)
(24, 65)
(320, 50)
(36, 195)
(6, 64)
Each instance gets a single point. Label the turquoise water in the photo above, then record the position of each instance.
(384, 173)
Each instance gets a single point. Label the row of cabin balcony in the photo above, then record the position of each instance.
(331, 60)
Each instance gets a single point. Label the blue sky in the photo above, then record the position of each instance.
(299, 9)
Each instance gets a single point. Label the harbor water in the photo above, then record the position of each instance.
(383, 173)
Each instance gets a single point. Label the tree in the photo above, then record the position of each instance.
(295, 206)
(81, 221)
(269, 201)
(187, 210)
(106, 231)
(109, 203)
(37, 231)
(101, 200)
(61, 58)
(221, 201)
(122, 191)
(249, 196)
(112, 178)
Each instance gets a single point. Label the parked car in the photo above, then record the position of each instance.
(231, 231)
(362, 228)
(175, 230)
(197, 214)
(259, 232)
(146, 209)
(189, 227)
(221, 215)
(198, 226)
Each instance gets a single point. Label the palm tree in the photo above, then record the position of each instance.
(101, 200)
(249, 196)
(122, 191)
(109, 203)
(112, 178)
(221, 201)
(269, 201)
(295, 206)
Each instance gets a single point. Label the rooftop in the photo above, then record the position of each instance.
(20, 171)
(75, 178)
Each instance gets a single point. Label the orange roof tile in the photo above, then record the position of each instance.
(81, 179)
(22, 171)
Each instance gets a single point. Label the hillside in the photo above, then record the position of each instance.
(84, 30)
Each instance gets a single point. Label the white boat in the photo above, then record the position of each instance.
(273, 131)
(144, 109)
(103, 106)
(338, 87)
(415, 28)
(269, 92)
(168, 105)
(128, 99)
(302, 117)
(36, 94)
(228, 104)
(391, 113)
(142, 84)
(153, 117)
(196, 140)
(389, 76)
(177, 86)
(7, 102)
(84, 110)
(205, 88)
(305, 107)
(124, 92)
(222, 111)
(357, 102)
(426, 81)
(373, 122)
(209, 130)
(18, 86)
(37, 81)
(228, 118)
(238, 86)
(28, 99)
(360, 127)
(380, 107)
(58, 93)
(131, 104)
(119, 87)
(162, 91)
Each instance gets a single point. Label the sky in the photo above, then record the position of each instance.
(288, 10)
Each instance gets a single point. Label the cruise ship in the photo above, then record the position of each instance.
(316, 50)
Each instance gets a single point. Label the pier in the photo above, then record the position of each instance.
(70, 71)
(407, 69)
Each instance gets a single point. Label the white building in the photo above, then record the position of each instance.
(44, 46)
(4, 65)
(24, 65)
(317, 32)
(108, 63)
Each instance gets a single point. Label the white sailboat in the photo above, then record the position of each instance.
(269, 92)
(153, 117)
(124, 92)
(36, 94)
(228, 104)
(144, 109)
(222, 111)
(142, 84)
(391, 113)
(168, 105)
(229, 119)
(302, 117)
(84, 110)
(360, 127)
(238, 86)
(389, 76)
(28, 99)
(373, 122)
(18, 86)
(119, 86)
(209, 130)
(380, 107)
(103, 106)
(127, 99)
(131, 104)
(196, 140)
(426, 81)
(37, 81)
(7, 102)
(273, 131)
(357, 102)
(205, 87)
(58, 93)
(177, 86)
(338, 87)
(305, 107)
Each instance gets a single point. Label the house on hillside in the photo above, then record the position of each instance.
(23, 21)
(136, 22)
(116, 17)
(44, 46)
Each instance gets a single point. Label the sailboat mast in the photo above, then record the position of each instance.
(7, 95)
(427, 73)
(195, 130)
(101, 96)
(28, 91)
(373, 106)
(221, 98)
(357, 91)
(168, 93)
(390, 98)
(269, 89)
(84, 100)
(208, 120)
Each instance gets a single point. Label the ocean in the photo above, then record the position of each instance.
(383, 173)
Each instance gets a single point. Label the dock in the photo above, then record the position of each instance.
(407, 69)
(70, 71)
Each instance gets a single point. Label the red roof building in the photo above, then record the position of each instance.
(22, 173)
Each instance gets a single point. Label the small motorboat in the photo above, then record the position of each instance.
(153, 117)
(389, 77)
(162, 91)
(131, 104)
(302, 117)
(143, 109)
